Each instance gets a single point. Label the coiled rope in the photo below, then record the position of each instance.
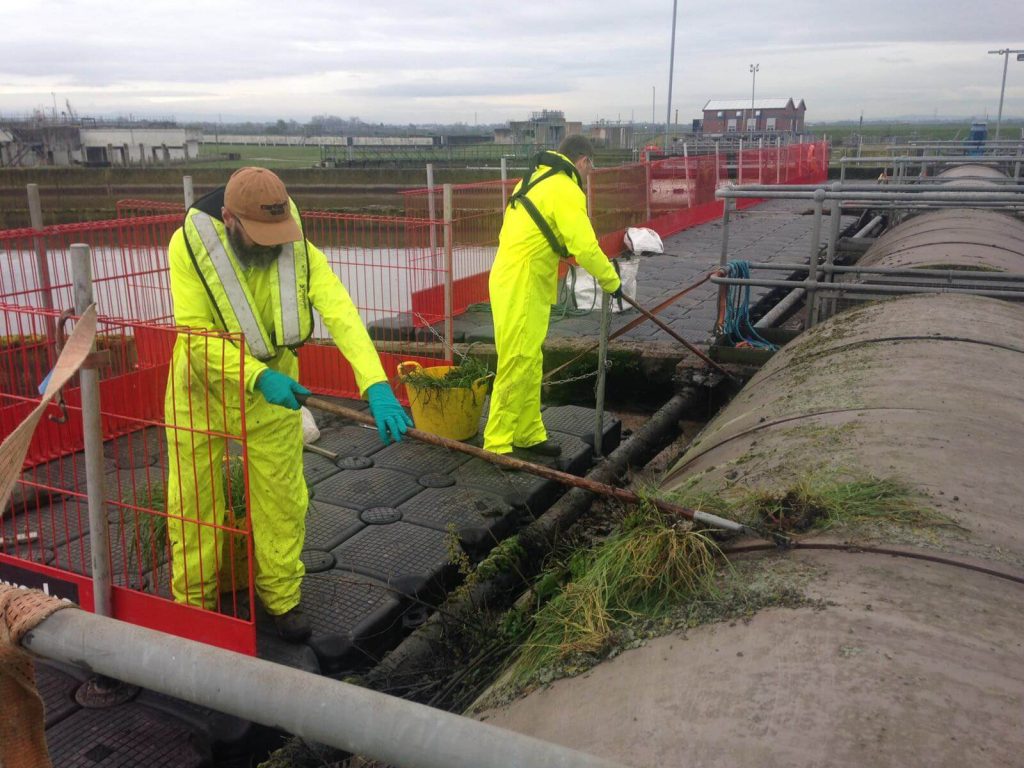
(736, 325)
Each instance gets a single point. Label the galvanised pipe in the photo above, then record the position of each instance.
(857, 288)
(946, 274)
(728, 193)
(344, 716)
(929, 184)
(92, 434)
(949, 159)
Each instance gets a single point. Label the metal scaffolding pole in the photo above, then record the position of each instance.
(344, 716)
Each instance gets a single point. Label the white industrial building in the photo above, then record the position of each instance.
(42, 142)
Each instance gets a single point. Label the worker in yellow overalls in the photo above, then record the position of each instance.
(241, 265)
(546, 219)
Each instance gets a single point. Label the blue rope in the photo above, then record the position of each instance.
(737, 326)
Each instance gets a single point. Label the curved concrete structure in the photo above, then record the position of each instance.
(961, 238)
(901, 661)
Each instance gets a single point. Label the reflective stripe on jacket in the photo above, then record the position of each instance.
(225, 282)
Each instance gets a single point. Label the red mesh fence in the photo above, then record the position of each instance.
(45, 536)
(129, 264)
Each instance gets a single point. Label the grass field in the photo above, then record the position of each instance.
(213, 156)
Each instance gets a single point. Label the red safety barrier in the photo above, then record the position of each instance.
(391, 271)
(45, 538)
(477, 211)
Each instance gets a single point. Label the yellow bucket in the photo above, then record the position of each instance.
(454, 412)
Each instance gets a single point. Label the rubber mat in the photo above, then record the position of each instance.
(577, 455)
(481, 519)
(350, 441)
(410, 558)
(579, 421)
(57, 690)
(271, 647)
(517, 488)
(355, 619)
(76, 556)
(317, 468)
(364, 488)
(66, 473)
(316, 560)
(327, 525)
(141, 448)
(226, 733)
(325, 420)
(419, 458)
(55, 523)
(126, 735)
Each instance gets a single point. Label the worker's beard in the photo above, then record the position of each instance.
(254, 255)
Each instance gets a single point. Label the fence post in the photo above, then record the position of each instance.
(432, 213)
(812, 272)
(739, 164)
(724, 257)
(449, 330)
(647, 188)
(717, 165)
(504, 183)
(602, 356)
(835, 212)
(35, 213)
(686, 176)
(190, 196)
(92, 430)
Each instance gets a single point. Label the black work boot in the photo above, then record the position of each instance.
(293, 625)
(547, 448)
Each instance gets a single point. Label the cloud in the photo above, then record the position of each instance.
(404, 61)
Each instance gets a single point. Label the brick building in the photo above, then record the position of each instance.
(767, 116)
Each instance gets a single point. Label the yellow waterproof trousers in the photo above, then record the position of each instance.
(197, 403)
(521, 288)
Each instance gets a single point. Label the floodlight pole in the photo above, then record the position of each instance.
(753, 84)
(671, 67)
(1005, 53)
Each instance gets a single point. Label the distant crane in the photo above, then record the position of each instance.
(72, 115)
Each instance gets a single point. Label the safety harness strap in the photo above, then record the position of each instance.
(556, 164)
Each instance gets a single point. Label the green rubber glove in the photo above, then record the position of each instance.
(281, 390)
(392, 420)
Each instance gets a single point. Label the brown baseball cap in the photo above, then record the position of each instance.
(258, 197)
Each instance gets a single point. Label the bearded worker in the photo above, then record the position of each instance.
(546, 219)
(240, 264)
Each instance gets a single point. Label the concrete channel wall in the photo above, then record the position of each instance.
(910, 650)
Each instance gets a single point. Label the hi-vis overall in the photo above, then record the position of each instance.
(272, 307)
(523, 286)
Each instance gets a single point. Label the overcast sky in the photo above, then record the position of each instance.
(417, 61)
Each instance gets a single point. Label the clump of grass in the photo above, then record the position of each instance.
(142, 522)
(648, 568)
(819, 501)
(825, 503)
(464, 375)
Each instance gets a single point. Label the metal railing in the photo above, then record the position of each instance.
(899, 198)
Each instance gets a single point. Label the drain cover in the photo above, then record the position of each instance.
(380, 515)
(355, 462)
(436, 480)
(316, 560)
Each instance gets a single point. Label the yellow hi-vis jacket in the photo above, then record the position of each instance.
(563, 204)
(270, 306)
